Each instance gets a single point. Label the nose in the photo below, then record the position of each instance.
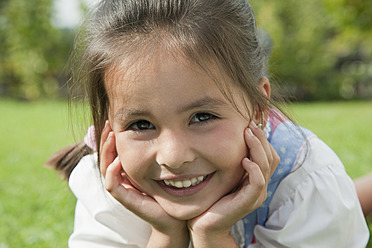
(174, 149)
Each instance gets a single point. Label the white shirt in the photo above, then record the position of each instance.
(316, 205)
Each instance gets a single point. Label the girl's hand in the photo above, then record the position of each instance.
(166, 230)
(212, 228)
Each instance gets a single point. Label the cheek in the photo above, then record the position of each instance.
(228, 146)
(132, 156)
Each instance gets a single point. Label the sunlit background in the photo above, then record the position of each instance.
(320, 58)
(321, 49)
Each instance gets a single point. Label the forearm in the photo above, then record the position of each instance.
(363, 187)
(179, 238)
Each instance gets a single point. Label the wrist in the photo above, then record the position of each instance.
(173, 238)
(212, 239)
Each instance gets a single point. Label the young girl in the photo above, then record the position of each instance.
(188, 141)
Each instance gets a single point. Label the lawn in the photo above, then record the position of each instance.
(36, 206)
(345, 127)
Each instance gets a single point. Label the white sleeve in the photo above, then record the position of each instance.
(315, 206)
(101, 221)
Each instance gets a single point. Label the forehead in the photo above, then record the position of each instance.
(158, 76)
(163, 79)
(151, 69)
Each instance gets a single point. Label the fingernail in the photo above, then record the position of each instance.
(246, 160)
(105, 126)
(253, 124)
(249, 132)
(116, 159)
(109, 137)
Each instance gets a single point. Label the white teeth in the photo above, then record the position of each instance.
(178, 184)
(185, 183)
(194, 181)
(166, 182)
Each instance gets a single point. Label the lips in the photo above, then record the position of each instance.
(185, 186)
(186, 183)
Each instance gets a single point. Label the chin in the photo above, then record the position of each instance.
(185, 213)
(185, 216)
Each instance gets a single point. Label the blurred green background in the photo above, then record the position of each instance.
(321, 59)
(321, 48)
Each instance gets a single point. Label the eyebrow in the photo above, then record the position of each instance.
(133, 113)
(206, 102)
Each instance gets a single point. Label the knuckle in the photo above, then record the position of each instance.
(103, 167)
(109, 188)
(277, 160)
(270, 159)
(263, 197)
(103, 171)
(266, 168)
(261, 185)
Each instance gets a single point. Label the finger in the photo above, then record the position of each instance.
(105, 132)
(108, 152)
(272, 155)
(257, 153)
(248, 197)
(276, 160)
(254, 173)
(113, 175)
(256, 183)
(262, 137)
(120, 187)
(116, 181)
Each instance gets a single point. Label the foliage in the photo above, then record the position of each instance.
(33, 52)
(321, 47)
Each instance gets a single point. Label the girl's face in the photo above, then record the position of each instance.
(179, 140)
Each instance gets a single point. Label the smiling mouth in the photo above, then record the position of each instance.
(185, 183)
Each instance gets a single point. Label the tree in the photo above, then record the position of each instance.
(32, 50)
(311, 37)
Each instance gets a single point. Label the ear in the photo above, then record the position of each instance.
(264, 87)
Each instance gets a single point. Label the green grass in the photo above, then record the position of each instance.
(345, 127)
(36, 206)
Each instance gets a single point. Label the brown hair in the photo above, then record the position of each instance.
(221, 32)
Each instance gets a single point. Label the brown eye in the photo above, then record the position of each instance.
(141, 125)
(202, 117)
